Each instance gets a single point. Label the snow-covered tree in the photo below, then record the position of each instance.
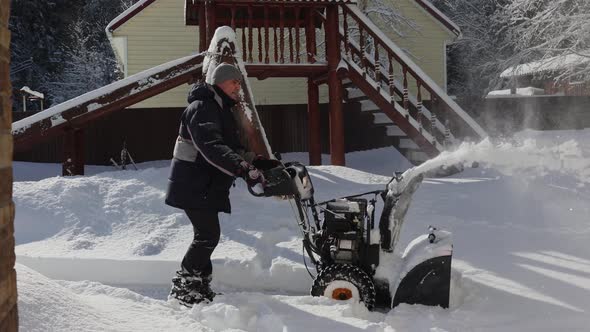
(476, 58)
(541, 29)
(89, 62)
(59, 47)
(89, 65)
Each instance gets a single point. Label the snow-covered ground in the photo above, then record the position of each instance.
(96, 253)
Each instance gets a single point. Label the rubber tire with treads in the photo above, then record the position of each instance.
(350, 273)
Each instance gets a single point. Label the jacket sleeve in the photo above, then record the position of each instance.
(206, 133)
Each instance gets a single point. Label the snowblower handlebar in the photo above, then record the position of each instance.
(289, 179)
(253, 193)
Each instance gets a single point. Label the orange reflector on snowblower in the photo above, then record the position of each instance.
(342, 294)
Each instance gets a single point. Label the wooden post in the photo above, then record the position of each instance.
(211, 24)
(8, 302)
(73, 153)
(282, 32)
(313, 98)
(313, 123)
(334, 87)
(266, 44)
(79, 155)
(310, 36)
(202, 28)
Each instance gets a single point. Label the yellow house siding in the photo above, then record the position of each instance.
(425, 45)
(158, 34)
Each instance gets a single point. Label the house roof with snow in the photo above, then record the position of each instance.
(442, 18)
(546, 65)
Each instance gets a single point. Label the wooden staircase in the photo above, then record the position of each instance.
(392, 87)
(393, 135)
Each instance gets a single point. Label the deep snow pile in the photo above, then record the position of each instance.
(520, 230)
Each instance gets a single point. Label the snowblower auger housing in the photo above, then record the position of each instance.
(340, 238)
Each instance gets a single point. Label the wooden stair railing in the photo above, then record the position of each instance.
(417, 110)
(400, 116)
(76, 113)
(383, 72)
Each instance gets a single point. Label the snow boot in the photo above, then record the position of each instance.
(189, 290)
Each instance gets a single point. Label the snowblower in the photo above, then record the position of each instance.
(357, 259)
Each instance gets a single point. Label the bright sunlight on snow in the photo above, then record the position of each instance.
(97, 252)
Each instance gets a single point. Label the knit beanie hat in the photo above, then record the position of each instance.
(225, 72)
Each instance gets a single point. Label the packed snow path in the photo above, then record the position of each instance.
(521, 259)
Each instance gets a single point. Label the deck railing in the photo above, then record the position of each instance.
(269, 32)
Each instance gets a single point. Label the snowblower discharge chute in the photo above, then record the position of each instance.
(345, 245)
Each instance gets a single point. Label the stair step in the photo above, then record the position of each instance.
(381, 118)
(406, 143)
(347, 83)
(368, 105)
(353, 93)
(394, 130)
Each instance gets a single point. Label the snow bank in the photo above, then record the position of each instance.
(49, 305)
(519, 223)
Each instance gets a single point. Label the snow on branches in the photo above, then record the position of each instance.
(539, 30)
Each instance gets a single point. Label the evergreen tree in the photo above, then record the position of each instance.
(59, 47)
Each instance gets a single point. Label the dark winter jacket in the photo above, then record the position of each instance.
(207, 152)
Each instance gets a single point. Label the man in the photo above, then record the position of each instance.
(207, 158)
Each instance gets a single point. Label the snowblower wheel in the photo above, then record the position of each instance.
(343, 282)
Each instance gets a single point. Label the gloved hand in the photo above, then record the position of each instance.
(250, 174)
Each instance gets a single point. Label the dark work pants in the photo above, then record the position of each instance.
(197, 259)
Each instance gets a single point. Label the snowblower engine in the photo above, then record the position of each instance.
(345, 235)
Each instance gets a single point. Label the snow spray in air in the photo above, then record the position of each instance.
(527, 158)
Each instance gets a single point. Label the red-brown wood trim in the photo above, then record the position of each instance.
(445, 21)
(290, 45)
(79, 153)
(266, 44)
(310, 36)
(314, 123)
(282, 31)
(250, 39)
(73, 152)
(78, 116)
(297, 38)
(211, 20)
(337, 153)
(202, 30)
(276, 42)
(130, 15)
(263, 71)
(233, 18)
(259, 44)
